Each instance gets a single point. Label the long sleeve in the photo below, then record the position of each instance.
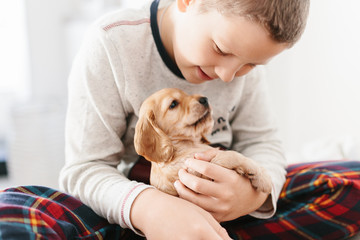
(96, 121)
(255, 136)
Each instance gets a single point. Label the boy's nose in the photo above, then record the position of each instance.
(227, 68)
(226, 72)
(224, 75)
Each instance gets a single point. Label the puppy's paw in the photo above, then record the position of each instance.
(260, 180)
(246, 167)
(257, 175)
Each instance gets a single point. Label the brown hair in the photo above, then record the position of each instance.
(285, 20)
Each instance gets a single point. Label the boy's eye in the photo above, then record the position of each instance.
(252, 65)
(218, 50)
(173, 104)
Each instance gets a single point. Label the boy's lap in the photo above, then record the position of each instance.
(29, 211)
(28, 206)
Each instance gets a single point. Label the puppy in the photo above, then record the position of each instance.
(172, 127)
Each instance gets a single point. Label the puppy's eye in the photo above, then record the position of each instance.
(173, 104)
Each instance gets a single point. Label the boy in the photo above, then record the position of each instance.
(122, 66)
(200, 46)
(204, 48)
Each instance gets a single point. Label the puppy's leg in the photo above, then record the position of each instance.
(245, 166)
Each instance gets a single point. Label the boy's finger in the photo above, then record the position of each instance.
(223, 233)
(195, 198)
(210, 170)
(207, 155)
(220, 231)
(199, 185)
(217, 233)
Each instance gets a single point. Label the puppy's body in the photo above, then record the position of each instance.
(164, 174)
(171, 128)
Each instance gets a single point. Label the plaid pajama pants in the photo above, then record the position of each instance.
(319, 201)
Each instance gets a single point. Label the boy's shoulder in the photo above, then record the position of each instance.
(123, 17)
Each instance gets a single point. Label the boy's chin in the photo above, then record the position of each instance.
(197, 81)
(194, 79)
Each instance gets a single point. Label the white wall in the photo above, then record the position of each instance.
(45, 22)
(315, 86)
(13, 58)
(36, 137)
(48, 23)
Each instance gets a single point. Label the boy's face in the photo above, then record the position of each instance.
(206, 46)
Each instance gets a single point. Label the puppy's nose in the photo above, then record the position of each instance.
(204, 101)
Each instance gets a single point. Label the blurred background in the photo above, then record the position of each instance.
(314, 87)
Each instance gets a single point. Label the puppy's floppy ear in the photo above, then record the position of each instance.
(150, 141)
(204, 140)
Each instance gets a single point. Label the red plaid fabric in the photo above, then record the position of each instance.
(319, 201)
(43, 213)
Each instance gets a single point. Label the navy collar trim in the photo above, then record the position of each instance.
(159, 45)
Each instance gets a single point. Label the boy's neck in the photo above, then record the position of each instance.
(165, 25)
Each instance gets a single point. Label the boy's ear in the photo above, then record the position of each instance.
(183, 4)
(150, 141)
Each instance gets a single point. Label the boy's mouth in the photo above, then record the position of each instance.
(203, 75)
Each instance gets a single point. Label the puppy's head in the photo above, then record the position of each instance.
(170, 114)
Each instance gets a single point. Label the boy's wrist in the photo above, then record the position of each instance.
(142, 208)
(259, 199)
(139, 208)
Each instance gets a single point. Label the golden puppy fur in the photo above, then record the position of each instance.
(172, 127)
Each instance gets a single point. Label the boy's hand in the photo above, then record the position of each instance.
(227, 197)
(162, 216)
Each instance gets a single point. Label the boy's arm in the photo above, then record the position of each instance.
(96, 121)
(255, 136)
(159, 215)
